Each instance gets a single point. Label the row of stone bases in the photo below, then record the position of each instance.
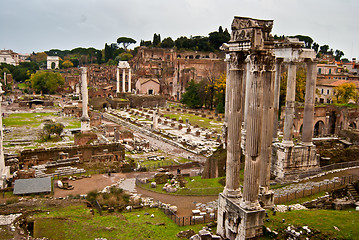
(252, 97)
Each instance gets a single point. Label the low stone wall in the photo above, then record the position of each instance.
(85, 152)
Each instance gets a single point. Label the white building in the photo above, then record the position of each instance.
(9, 57)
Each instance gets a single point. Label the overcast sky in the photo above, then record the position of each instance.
(40, 25)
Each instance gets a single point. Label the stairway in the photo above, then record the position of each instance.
(351, 190)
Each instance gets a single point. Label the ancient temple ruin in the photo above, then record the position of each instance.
(250, 80)
(123, 65)
(288, 158)
(252, 101)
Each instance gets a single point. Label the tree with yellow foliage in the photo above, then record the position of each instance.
(345, 92)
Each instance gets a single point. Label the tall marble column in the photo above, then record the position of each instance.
(2, 160)
(253, 134)
(267, 129)
(289, 106)
(225, 123)
(123, 80)
(235, 97)
(308, 118)
(129, 80)
(276, 92)
(118, 79)
(85, 120)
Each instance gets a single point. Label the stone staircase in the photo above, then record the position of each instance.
(353, 192)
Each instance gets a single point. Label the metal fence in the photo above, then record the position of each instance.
(328, 168)
(328, 186)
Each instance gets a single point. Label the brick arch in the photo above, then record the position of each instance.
(319, 128)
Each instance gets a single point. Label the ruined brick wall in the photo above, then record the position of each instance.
(86, 152)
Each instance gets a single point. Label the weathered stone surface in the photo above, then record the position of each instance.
(161, 178)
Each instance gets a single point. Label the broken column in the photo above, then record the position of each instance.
(251, 62)
(85, 120)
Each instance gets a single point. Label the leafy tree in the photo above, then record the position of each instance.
(125, 41)
(145, 43)
(39, 57)
(324, 49)
(216, 39)
(338, 55)
(220, 92)
(52, 128)
(67, 64)
(168, 43)
(46, 82)
(345, 92)
(306, 39)
(108, 52)
(315, 46)
(156, 40)
(191, 97)
(125, 56)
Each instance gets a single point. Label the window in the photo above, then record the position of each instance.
(330, 70)
(322, 91)
(328, 91)
(150, 91)
(319, 70)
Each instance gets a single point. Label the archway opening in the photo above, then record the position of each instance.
(319, 129)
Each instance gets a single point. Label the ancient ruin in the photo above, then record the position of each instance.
(85, 120)
(124, 66)
(4, 170)
(288, 158)
(251, 70)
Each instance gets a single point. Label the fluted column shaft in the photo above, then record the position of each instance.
(123, 80)
(289, 106)
(234, 110)
(118, 80)
(129, 80)
(276, 92)
(225, 123)
(267, 129)
(254, 89)
(308, 118)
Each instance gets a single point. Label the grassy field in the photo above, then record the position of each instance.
(28, 119)
(321, 222)
(195, 186)
(197, 120)
(76, 222)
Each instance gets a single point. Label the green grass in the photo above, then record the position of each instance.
(197, 187)
(322, 220)
(73, 124)
(28, 119)
(76, 222)
(197, 120)
(305, 199)
(22, 85)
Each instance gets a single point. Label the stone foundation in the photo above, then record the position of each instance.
(236, 223)
(287, 161)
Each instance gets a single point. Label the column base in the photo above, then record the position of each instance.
(287, 143)
(231, 193)
(237, 223)
(307, 144)
(266, 199)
